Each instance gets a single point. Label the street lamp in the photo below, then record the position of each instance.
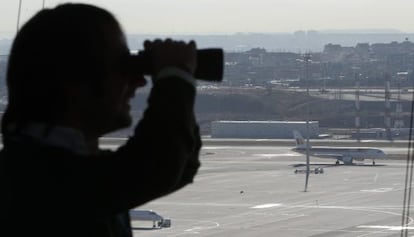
(307, 58)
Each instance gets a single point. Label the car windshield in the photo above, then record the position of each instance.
(307, 86)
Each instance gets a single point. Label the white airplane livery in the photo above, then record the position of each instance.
(345, 154)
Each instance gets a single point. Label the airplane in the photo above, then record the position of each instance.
(345, 154)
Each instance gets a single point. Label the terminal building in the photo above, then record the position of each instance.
(262, 129)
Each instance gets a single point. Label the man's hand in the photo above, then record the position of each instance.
(170, 53)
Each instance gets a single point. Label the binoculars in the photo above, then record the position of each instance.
(209, 64)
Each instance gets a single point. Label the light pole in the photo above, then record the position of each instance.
(306, 58)
(18, 15)
(357, 104)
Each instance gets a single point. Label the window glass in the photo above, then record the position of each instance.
(339, 73)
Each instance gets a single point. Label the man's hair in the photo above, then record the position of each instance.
(56, 46)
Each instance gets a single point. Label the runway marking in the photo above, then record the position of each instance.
(216, 147)
(391, 228)
(365, 209)
(202, 204)
(378, 190)
(376, 177)
(269, 205)
(209, 225)
(276, 155)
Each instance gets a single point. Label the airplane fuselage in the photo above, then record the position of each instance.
(344, 153)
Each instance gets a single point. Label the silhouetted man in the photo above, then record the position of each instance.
(70, 81)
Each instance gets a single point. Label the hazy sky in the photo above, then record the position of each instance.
(230, 16)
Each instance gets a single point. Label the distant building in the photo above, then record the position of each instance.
(381, 133)
(262, 129)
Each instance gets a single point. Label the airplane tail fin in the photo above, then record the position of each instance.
(300, 142)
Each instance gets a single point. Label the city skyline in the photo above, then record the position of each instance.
(232, 16)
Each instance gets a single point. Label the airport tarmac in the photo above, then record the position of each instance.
(249, 191)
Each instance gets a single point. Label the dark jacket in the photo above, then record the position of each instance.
(51, 191)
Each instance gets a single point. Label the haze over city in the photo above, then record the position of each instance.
(231, 16)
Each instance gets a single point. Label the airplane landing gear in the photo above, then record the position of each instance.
(373, 163)
(337, 162)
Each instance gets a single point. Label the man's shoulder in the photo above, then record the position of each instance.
(41, 156)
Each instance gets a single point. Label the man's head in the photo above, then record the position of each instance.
(68, 66)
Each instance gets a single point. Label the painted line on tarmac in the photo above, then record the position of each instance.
(276, 155)
(268, 205)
